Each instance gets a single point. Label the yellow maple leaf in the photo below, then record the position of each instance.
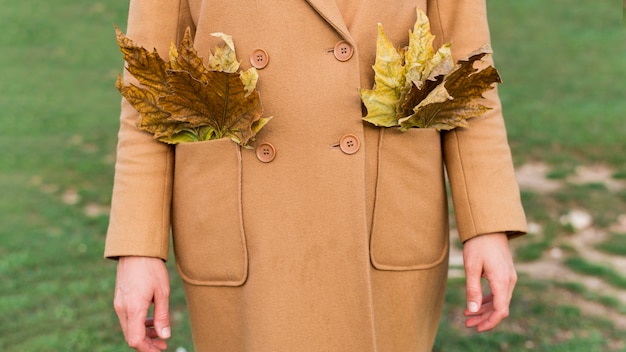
(223, 58)
(389, 83)
(417, 86)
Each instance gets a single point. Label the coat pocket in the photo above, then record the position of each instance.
(207, 225)
(410, 220)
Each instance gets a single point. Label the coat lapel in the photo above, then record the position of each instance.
(329, 10)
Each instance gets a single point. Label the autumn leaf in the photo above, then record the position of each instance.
(154, 118)
(417, 94)
(389, 81)
(224, 58)
(185, 58)
(147, 67)
(186, 100)
(453, 101)
(419, 87)
(219, 103)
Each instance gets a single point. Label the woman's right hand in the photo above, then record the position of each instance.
(141, 282)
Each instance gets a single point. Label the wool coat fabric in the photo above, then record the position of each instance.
(330, 234)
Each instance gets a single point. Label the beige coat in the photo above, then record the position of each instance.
(340, 242)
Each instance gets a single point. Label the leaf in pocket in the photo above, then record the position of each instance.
(147, 67)
(184, 100)
(417, 86)
(454, 100)
(224, 58)
(389, 80)
(154, 118)
(220, 103)
(418, 94)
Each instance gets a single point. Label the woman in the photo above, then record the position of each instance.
(331, 234)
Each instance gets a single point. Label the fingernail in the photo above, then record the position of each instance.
(473, 307)
(165, 333)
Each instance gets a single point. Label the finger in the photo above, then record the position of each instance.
(162, 314)
(158, 345)
(473, 287)
(136, 336)
(501, 301)
(150, 345)
(488, 298)
(484, 308)
(151, 342)
(475, 321)
(120, 310)
(151, 333)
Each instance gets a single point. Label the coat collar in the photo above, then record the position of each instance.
(330, 12)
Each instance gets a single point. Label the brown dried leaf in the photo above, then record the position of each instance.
(183, 100)
(417, 95)
(147, 67)
(220, 103)
(187, 59)
(153, 118)
(463, 85)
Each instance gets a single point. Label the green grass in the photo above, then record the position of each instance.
(615, 244)
(540, 321)
(604, 272)
(534, 246)
(564, 102)
(601, 202)
(563, 68)
(592, 295)
(60, 115)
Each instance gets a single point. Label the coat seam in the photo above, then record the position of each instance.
(439, 17)
(165, 219)
(464, 179)
(178, 31)
(242, 229)
(456, 141)
(443, 35)
(165, 204)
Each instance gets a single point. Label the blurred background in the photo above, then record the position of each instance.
(563, 65)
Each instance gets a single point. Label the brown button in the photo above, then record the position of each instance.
(259, 59)
(343, 51)
(265, 152)
(349, 144)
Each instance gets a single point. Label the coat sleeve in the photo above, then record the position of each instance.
(478, 159)
(140, 208)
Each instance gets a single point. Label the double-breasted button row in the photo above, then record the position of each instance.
(342, 51)
(348, 143)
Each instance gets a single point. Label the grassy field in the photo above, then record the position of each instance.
(564, 70)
